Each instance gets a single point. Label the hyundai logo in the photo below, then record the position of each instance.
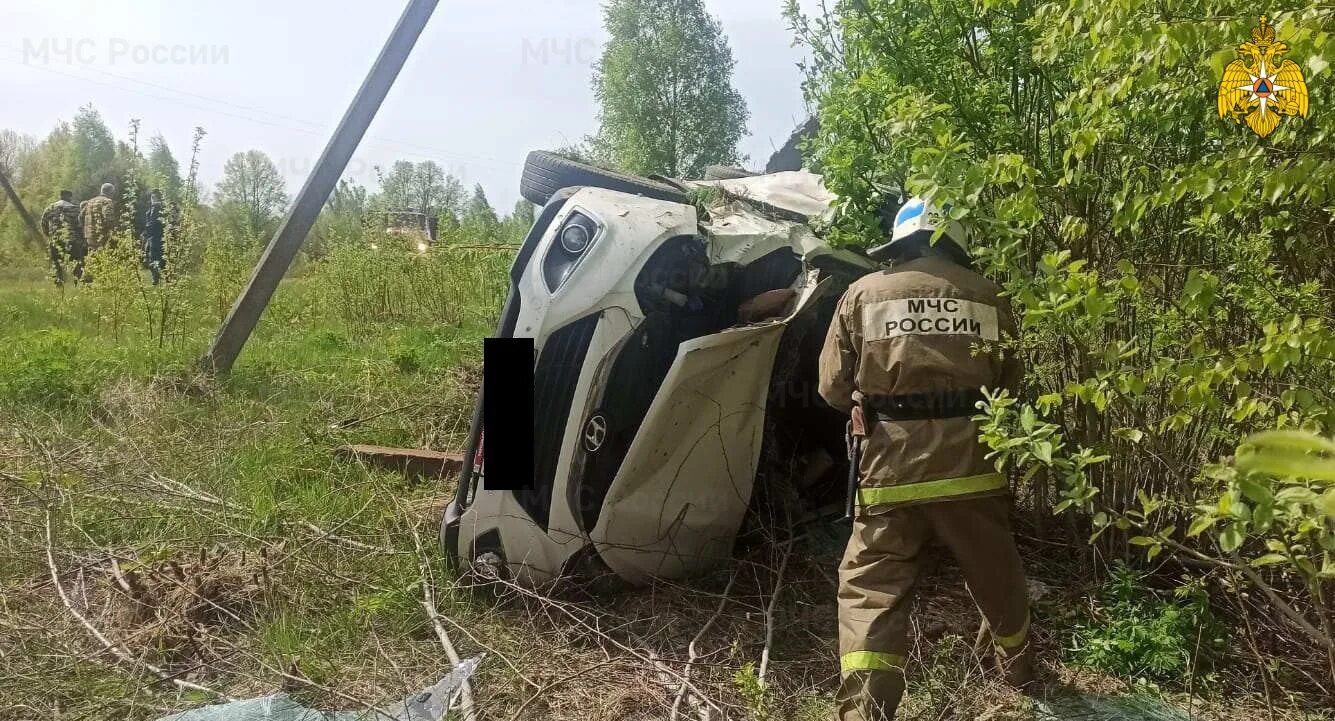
(595, 433)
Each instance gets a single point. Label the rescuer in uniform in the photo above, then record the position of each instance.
(97, 216)
(60, 224)
(908, 353)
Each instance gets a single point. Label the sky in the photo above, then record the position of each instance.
(488, 81)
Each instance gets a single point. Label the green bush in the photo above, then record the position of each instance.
(1141, 635)
(1171, 270)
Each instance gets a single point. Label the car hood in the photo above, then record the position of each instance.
(794, 191)
(755, 216)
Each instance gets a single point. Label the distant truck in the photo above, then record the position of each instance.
(412, 224)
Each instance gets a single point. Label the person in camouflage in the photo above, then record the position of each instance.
(98, 217)
(60, 225)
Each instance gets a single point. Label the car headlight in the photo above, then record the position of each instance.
(573, 240)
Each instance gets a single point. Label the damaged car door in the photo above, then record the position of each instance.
(684, 487)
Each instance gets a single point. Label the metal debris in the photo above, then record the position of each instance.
(429, 704)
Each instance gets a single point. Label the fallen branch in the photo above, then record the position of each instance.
(301, 680)
(466, 689)
(693, 653)
(769, 614)
(350, 422)
(1289, 611)
(491, 651)
(346, 542)
(428, 604)
(176, 487)
(1280, 604)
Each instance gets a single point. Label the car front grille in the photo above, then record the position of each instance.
(554, 381)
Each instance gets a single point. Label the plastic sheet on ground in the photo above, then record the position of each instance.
(429, 704)
(1089, 707)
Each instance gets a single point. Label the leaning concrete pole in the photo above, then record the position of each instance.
(23, 212)
(245, 314)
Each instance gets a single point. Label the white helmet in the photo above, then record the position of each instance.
(917, 216)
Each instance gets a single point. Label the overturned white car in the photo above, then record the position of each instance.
(677, 329)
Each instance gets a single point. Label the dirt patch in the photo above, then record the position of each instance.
(127, 400)
(177, 607)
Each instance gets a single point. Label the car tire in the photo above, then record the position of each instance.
(546, 173)
(727, 172)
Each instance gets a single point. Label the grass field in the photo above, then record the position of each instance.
(160, 523)
(222, 503)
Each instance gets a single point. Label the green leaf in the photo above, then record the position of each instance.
(1291, 440)
(1256, 491)
(1269, 559)
(1327, 504)
(1296, 494)
(1287, 464)
(1195, 284)
(1200, 525)
(1231, 538)
(1049, 401)
(1143, 541)
(1135, 435)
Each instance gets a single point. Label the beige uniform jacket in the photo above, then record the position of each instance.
(98, 218)
(926, 331)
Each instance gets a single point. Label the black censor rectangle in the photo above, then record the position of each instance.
(507, 413)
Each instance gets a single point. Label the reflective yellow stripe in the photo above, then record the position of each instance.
(870, 661)
(944, 488)
(1015, 640)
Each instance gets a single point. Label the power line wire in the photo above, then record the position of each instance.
(433, 153)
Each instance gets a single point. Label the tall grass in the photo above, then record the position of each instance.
(386, 281)
(226, 491)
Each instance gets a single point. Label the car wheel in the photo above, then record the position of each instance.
(546, 173)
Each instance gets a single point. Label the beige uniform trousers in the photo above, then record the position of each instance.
(876, 580)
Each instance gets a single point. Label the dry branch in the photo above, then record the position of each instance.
(466, 689)
(769, 614)
(693, 652)
(428, 604)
